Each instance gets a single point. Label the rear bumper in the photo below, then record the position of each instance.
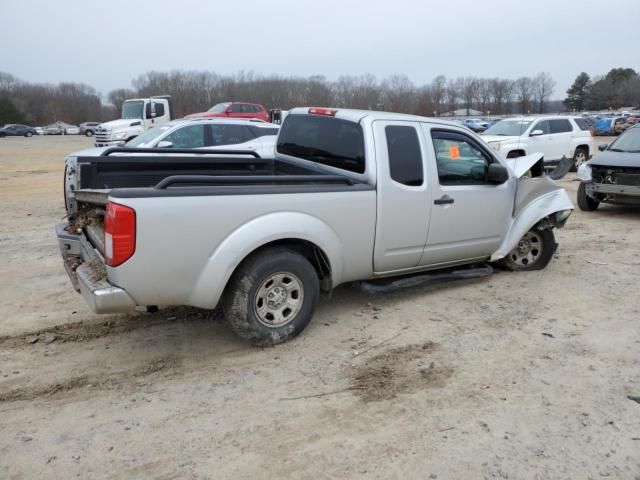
(88, 274)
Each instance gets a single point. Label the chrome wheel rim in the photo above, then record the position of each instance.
(278, 299)
(528, 250)
(581, 157)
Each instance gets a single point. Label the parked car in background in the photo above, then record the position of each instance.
(235, 110)
(553, 136)
(88, 128)
(72, 130)
(18, 130)
(475, 124)
(612, 176)
(40, 130)
(610, 125)
(211, 133)
(53, 129)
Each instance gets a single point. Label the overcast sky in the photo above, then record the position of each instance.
(106, 44)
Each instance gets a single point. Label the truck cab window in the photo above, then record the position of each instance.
(460, 160)
(405, 157)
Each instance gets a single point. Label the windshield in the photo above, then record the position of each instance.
(629, 142)
(132, 109)
(511, 128)
(148, 137)
(219, 108)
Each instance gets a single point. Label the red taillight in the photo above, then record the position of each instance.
(323, 111)
(119, 234)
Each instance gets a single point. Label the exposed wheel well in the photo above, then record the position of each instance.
(583, 147)
(310, 251)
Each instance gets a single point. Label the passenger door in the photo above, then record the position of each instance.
(402, 196)
(470, 216)
(542, 143)
(561, 137)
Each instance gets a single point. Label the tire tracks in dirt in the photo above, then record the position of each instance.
(104, 381)
(82, 331)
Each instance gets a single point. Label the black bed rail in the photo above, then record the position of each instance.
(111, 150)
(213, 180)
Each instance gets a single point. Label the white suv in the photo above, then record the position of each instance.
(212, 134)
(553, 136)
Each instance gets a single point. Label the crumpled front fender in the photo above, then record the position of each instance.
(537, 198)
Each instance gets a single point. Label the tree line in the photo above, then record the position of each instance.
(619, 88)
(196, 91)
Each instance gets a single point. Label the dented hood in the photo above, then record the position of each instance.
(522, 165)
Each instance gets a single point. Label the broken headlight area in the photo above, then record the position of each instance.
(584, 172)
(561, 217)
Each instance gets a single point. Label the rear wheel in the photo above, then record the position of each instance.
(28, 134)
(579, 157)
(585, 202)
(533, 252)
(89, 133)
(271, 296)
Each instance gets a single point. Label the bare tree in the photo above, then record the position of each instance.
(523, 88)
(542, 88)
(469, 92)
(438, 91)
(452, 94)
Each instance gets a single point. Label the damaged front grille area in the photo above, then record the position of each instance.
(616, 175)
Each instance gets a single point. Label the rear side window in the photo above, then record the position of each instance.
(560, 126)
(405, 157)
(582, 123)
(228, 134)
(327, 140)
(237, 108)
(263, 131)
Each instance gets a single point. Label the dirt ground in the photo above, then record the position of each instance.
(519, 376)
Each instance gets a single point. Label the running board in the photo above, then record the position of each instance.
(392, 284)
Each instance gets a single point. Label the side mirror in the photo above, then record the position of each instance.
(602, 147)
(497, 174)
(536, 133)
(165, 144)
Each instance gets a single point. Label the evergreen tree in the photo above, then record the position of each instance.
(578, 92)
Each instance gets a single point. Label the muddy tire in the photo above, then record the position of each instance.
(580, 156)
(585, 202)
(271, 297)
(533, 252)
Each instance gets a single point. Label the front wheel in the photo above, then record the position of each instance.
(89, 133)
(580, 156)
(585, 202)
(271, 297)
(28, 134)
(533, 252)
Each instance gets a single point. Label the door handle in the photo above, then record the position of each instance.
(445, 200)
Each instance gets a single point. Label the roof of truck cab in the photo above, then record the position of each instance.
(358, 115)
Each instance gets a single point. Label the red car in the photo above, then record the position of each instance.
(234, 110)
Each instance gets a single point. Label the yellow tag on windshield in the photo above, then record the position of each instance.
(454, 152)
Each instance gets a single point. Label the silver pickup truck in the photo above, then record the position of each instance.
(350, 196)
